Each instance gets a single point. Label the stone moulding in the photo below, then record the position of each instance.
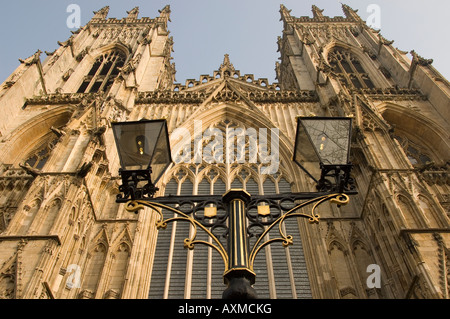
(199, 97)
(175, 97)
(393, 94)
(59, 98)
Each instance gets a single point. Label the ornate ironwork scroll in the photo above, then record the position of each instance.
(198, 220)
(263, 213)
(280, 210)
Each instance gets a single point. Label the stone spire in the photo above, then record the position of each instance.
(227, 68)
(317, 13)
(165, 12)
(102, 13)
(350, 13)
(133, 13)
(285, 13)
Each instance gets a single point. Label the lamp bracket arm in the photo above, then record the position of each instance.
(338, 199)
(189, 243)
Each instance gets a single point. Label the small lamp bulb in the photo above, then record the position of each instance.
(322, 145)
(140, 144)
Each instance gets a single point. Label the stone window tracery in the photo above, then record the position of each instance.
(414, 153)
(170, 278)
(178, 273)
(349, 69)
(103, 73)
(37, 158)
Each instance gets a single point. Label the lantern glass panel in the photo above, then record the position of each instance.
(322, 140)
(142, 145)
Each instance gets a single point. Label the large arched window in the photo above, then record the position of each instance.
(349, 70)
(102, 74)
(39, 156)
(179, 273)
(415, 154)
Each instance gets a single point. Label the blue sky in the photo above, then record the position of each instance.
(205, 30)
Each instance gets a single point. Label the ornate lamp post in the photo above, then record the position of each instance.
(322, 149)
(144, 153)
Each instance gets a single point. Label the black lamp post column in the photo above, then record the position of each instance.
(239, 276)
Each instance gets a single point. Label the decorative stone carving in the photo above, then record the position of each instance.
(32, 59)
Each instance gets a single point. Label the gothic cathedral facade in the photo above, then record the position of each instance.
(62, 234)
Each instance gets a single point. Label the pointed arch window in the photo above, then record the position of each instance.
(94, 269)
(39, 156)
(415, 155)
(348, 69)
(103, 73)
(176, 273)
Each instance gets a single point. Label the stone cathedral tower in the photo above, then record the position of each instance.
(62, 235)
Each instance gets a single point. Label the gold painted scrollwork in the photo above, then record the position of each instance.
(161, 223)
(286, 240)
